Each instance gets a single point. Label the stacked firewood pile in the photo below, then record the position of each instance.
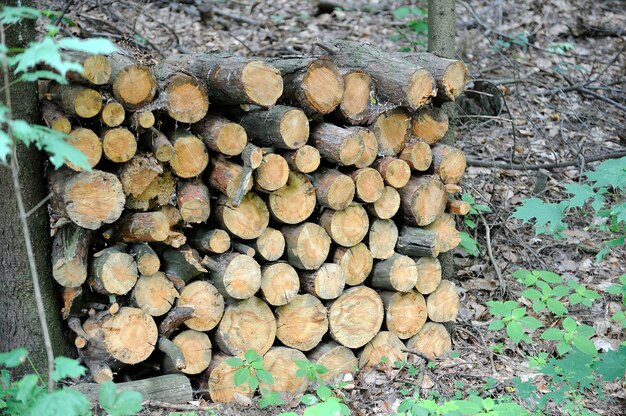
(287, 205)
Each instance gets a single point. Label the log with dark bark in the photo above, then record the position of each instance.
(397, 80)
(447, 236)
(327, 282)
(77, 100)
(182, 264)
(336, 144)
(423, 199)
(70, 254)
(193, 201)
(450, 74)
(209, 241)
(143, 119)
(416, 242)
(226, 177)
(457, 207)
(148, 261)
(281, 126)
(221, 135)
(146, 227)
(55, 118)
(301, 323)
(398, 273)
(159, 144)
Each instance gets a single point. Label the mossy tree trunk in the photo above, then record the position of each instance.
(441, 41)
(19, 323)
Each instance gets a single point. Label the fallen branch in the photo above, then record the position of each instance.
(548, 166)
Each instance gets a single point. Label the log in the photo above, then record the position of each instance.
(194, 201)
(449, 163)
(347, 227)
(72, 301)
(279, 283)
(243, 249)
(112, 114)
(369, 184)
(281, 363)
(313, 84)
(226, 177)
(221, 381)
(433, 341)
(334, 190)
(281, 126)
(270, 245)
(356, 263)
(391, 130)
(405, 313)
(171, 388)
(182, 265)
(130, 335)
(137, 174)
(235, 275)
(154, 294)
(422, 200)
(443, 303)
(450, 74)
(96, 68)
(118, 144)
(327, 282)
(385, 348)
(233, 80)
(207, 304)
(370, 149)
(160, 193)
(134, 85)
(416, 242)
(358, 91)
(143, 119)
(307, 245)
(387, 205)
(112, 272)
(395, 172)
(428, 274)
(453, 188)
(430, 125)
(306, 159)
(301, 323)
(294, 202)
(175, 360)
(337, 144)
(196, 348)
(221, 135)
(209, 241)
(382, 238)
(70, 252)
(397, 80)
(417, 154)
(355, 317)
(88, 143)
(273, 172)
(146, 227)
(55, 118)
(458, 207)
(247, 324)
(398, 272)
(175, 318)
(337, 359)
(183, 96)
(88, 199)
(447, 236)
(247, 221)
(77, 100)
(190, 154)
(159, 144)
(148, 262)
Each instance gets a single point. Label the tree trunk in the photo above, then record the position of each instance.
(19, 324)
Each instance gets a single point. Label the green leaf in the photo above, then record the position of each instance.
(308, 399)
(569, 324)
(3, 404)
(530, 323)
(514, 331)
(556, 307)
(469, 244)
(45, 52)
(488, 404)
(521, 274)
(612, 364)
(91, 46)
(241, 376)
(547, 218)
(66, 367)
(552, 334)
(13, 358)
(548, 276)
(301, 372)
(496, 325)
(119, 404)
(324, 392)
(610, 173)
(562, 347)
(107, 394)
(483, 208)
(234, 362)
(581, 193)
(303, 364)
(585, 345)
(25, 387)
(43, 74)
(5, 146)
(265, 376)
(531, 294)
(63, 402)
(320, 369)
(518, 313)
(252, 355)
(253, 382)
(10, 15)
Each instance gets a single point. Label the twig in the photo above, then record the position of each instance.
(328, 48)
(181, 407)
(601, 98)
(252, 51)
(39, 204)
(490, 253)
(548, 166)
(32, 265)
(485, 117)
(417, 353)
(236, 17)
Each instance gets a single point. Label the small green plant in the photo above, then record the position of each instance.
(581, 295)
(619, 289)
(547, 298)
(572, 334)
(468, 243)
(414, 31)
(514, 319)
(250, 370)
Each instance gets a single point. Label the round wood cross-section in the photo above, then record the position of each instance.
(130, 335)
(356, 316)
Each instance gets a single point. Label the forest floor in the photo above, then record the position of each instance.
(560, 67)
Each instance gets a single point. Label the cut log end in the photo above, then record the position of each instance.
(279, 283)
(443, 303)
(405, 312)
(248, 220)
(262, 83)
(449, 163)
(454, 79)
(433, 341)
(88, 143)
(428, 274)
(130, 335)
(337, 359)
(387, 205)
(97, 69)
(421, 89)
(113, 272)
(357, 86)
(270, 245)
(391, 130)
(187, 100)
(398, 273)
(196, 348)
(190, 156)
(356, 316)
(347, 227)
(304, 160)
(395, 172)
(356, 263)
(302, 322)
(334, 190)
(307, 245)
(134, 86)
(423, 200)
(370, 149)
(327, 282)
(281, 363)
(154, 294)
(323, 86)
(418, 155)
(221, 383)
(236, 276)
(382, 238)
(294, 128)
(385, 348)
(430, 125)
(447, 236)
(119, 145)
(113, 114)
(273, 172)
(294, 202)
(207, 302)
(369, 184)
